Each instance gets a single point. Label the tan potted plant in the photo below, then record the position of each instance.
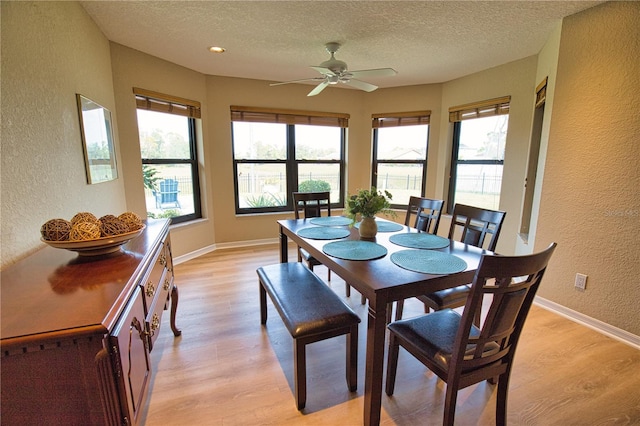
(366, 204)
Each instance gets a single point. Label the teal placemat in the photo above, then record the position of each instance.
(355, 250)
(385, 226)
(331, 221)
(323, 233)
(421, 240)
(428, 262)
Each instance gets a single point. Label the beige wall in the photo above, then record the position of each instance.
(587, 160)
(590, 202)
(50, 52)
(132, 68)
(516, 79)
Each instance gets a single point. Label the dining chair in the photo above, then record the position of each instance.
(309, 205)
(471, 225)
(427, 214)
(312, 204)
(458, 351)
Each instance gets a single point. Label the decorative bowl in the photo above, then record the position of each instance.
(96, 247)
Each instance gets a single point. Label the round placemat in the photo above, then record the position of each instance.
(421, 240)
(355, 250)
(323, 233)
(385, 226)
(428, 262)
(331, 221)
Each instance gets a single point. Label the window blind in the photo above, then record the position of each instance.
(400, 119)
(159, 102)
(498, 106)
(271, 115)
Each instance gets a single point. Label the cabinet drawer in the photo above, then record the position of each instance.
(154, 316)
(152, 283)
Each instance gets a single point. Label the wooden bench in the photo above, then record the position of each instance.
(311, 311)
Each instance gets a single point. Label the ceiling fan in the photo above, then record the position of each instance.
(335, 71)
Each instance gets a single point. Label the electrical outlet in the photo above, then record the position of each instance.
(581, 282)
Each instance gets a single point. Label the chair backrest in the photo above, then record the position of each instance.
(169, 190)
(512, 282)
(311, 204)
(427, 212)
(475, 224)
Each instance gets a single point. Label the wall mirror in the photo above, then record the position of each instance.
(97, 141)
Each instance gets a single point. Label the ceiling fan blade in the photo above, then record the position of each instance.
(380, 72)
(319, 88)
(297, 81)
(324, 71)
(367, 87)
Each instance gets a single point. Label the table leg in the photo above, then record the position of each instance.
(376, 332)
(284, 247)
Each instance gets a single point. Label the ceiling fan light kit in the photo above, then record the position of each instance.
(335, 71)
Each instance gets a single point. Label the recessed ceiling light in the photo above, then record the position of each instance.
(217, 49)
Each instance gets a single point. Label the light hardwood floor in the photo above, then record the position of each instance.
(227, 369)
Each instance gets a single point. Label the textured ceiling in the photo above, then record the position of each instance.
(425, 41)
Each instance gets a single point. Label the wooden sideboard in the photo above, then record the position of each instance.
(77, 332)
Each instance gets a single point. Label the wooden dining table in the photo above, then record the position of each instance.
(381, 281)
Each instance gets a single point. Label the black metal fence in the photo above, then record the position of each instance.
(256, 183)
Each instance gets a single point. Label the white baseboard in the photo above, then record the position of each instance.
(594, 324)
(238, 244)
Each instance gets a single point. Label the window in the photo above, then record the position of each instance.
(167, 132)
(276, 153)
(479, 137)
(400, 142)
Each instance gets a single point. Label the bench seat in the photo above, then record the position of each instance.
(311, 311)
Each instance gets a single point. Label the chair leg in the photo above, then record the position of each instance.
(352, 358)
(328, 274)
(450, 404)
(501, 399)
(347, 289)
(392, 364)
(300, 373)
(399, 309)
(363, 299)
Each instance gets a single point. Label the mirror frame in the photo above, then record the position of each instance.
(97, 141)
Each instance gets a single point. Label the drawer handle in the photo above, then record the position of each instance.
(166, 285)
(163, 259)
(150, 289)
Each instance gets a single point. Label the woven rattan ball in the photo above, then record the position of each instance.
(83, 217)
(132, 220)
(83, 231)
(107, 218)
(56, 230)
(111, 226)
